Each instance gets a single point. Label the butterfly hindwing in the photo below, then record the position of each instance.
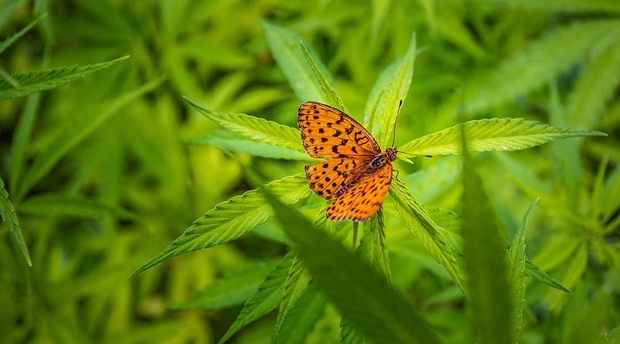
(327, 132)
(363, 198)
(327, 177)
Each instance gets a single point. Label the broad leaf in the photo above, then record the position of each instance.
(46, 79)
(231, 219)
(484, 255)
(495, 134)
(364, 297)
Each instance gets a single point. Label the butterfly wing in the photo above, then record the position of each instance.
(363, 198)
(327, 132)
(328, 177)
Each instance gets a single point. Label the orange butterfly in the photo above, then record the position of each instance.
(358, 175)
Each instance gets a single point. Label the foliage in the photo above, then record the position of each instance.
(104, 170)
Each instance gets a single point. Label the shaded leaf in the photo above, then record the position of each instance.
(302, 317)
(8, 215)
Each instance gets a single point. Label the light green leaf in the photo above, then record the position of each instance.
(538, 63)
(484, 255)
(284, 46)
(45, 79)
(575, 268)
(294, 287)
(50, 204)
(516, 278)
(20, 140)
(254, 128)
(495, 134)
(594, 88)
(563, 5)
(422, 226)
(231, 142)
(390, 89)
(74, 132)
(329, 93)
(8, 215)
(231, 219)
(11, 39)
(230, 290)
(365, 298)
(266, 298)
(302, 317)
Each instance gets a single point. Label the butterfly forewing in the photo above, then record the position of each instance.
(327, 132)
(363, 198)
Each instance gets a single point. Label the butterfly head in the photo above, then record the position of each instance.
(391, 153)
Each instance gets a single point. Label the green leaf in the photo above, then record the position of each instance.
(10, 40)
(516, 278)
(541, 61)
(295, 286)
(594, 88)
(330, 94)
(390, 89)
(20, 140)
(484, 254)
(533, 271)
(266, 298)
(254, 128)
(373, 246)
(422, 226)
(230, 290)
(50, 204)
(494, 134)
(8, 215)
(563, 5)
(284, 46)
(231, 219)
(231, 142)
(74, 132)
(575, 268)
(349, 334)
(46, 79)
(302, 317)
(365, 298)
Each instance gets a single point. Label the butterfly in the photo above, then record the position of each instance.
(357, 174)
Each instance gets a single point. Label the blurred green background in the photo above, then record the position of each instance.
(128, 184)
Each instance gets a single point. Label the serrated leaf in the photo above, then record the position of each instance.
(73, 133)
(231, 219)
(516, 278)
(390, 89)
(494, 134)
(230, 290)
(231, 142)
(328, 90)
(302, 317)
(294, 287)
(11, 39)
(484, 255)
(255, 128)
(365, 298)
(422, 226)
(284, 46)
(266, 298)
(533, 271)
(373, 246)
(7, 211)
(50, 204)
(46, 79)
(535, 65)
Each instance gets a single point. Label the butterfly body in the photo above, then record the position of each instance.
(357, 175)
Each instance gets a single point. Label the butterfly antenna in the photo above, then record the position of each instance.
(400, 105)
